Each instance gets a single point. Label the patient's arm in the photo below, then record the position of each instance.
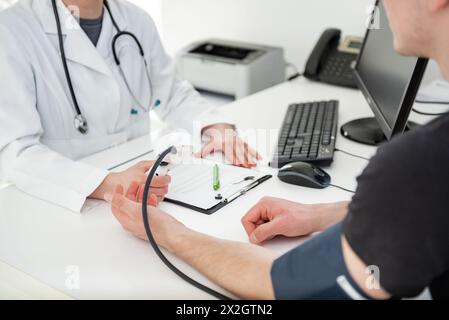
(243, 269)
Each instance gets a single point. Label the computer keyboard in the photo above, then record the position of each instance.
(308, 134)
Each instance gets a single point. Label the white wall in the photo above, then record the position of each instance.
(292, 24)
(6, 3)
(154, 8)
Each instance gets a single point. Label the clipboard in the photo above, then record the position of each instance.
(230, 191)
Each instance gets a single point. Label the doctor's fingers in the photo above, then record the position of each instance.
(133, 191)
(256, 155)
(158, 193)
(160, 181)
(239, 154)
(209, 148)
(229, 153)
(136, 190)
(159, 187)
(145, 166)
(251, 154)
(234, 152)
(249, 160)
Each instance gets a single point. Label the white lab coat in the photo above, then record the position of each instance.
(39, 145)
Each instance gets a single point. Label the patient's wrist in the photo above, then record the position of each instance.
(173, 237)
(329, 214)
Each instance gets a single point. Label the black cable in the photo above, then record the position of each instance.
(295, 76)
(64, 61)
(341, 188)
(432, 102)
(351, 154)
(153, 242)
(296, 73)
(114, 23)
(429, 113)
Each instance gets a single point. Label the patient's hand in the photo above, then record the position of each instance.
(137, 175)
(129, 213)
(273, 217)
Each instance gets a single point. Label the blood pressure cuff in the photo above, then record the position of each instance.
(315, 271)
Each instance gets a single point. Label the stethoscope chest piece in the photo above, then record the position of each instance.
(81, 124)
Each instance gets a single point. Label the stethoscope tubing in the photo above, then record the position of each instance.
(120, 34)
(82, 126)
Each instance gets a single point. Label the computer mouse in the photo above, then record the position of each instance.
(305, 175)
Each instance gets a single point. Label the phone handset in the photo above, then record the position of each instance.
(332, 60)
(327, 42)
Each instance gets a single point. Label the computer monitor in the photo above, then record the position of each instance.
(389, 82)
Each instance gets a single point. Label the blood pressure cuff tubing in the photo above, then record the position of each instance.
(315, 271)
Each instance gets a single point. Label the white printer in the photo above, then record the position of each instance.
(231, 68)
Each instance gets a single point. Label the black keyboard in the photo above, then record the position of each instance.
(308, 134)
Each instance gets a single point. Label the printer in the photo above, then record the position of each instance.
(231, 68)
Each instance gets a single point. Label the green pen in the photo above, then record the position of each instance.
(216, 174)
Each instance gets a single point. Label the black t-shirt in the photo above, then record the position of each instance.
(399, 218)
(92, 28)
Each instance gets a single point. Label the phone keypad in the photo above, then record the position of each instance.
(338, 69)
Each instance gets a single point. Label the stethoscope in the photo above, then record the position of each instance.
(145, 217)
(80, 121)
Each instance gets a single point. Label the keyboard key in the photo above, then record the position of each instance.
(290, 117)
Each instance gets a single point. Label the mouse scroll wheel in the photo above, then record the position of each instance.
(319, 172)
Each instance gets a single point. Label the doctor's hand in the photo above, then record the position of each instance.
(273, 217)
(136, 173)
(224, 138)
(129, 213)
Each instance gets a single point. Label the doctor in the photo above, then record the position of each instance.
(72, 87)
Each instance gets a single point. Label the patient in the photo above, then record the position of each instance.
(391, 241)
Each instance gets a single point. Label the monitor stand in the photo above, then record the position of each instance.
(366, 131)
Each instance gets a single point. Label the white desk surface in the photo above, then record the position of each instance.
(42, 240)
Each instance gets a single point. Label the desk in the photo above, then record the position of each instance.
(43, 241)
